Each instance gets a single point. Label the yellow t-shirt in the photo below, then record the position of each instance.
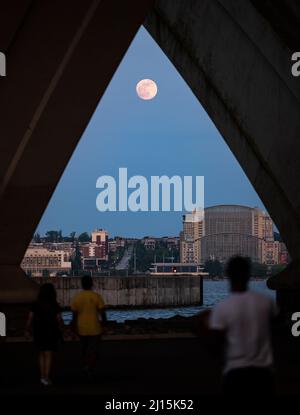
(87, 305)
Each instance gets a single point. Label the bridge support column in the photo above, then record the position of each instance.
(287, 286)
(17, 291)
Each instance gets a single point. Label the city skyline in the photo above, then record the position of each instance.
(209, 236)
(168, 135)
(149, 234)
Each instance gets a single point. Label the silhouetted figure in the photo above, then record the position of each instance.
(86, 307)
(244, 321)
(45, 322)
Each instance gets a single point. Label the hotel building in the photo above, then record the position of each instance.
(237, 230)
(190, 237)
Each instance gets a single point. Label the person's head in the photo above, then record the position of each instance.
(238, 271)
(87, 282)
(47, 293)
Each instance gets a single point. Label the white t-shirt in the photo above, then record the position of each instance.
(246, 318)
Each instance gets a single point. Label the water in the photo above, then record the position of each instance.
(214, 291)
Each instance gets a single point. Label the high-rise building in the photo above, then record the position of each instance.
(237, 230)
(190, 237)
(96, 252)
(262, 225)
(100, 237)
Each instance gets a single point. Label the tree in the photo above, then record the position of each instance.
(52, 236)
(45, 273)
(84, 237)
(276, 269)
(72, 236)
(214, 268)
(37, 238)
(59, 236)
(145, 257)
(259, 270)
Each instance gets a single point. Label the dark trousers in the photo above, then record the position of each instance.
(249, 381)
(90, 350)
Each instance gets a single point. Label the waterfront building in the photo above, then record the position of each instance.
(176, 268)
(190, 237)
(238, 230)
(39, 261)
(275, 252)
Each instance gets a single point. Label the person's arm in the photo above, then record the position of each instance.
(212, 329)
(101, 309)
(275, 319)
(103, 315)
(60, 321)
(73, 324)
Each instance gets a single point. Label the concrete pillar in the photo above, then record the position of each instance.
(60, 59)
(236, 58)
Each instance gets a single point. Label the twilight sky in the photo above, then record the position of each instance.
(169, 135)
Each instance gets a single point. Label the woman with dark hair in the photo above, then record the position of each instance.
(45, 322)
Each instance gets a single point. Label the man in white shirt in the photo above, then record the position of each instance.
(244, 319)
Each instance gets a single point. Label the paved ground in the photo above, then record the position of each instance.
(124, 262)
(153, 366)
(126, 367)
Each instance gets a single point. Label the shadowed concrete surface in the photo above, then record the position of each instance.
(125, 367)
(60, 59)
(236, 58)
(181, 366)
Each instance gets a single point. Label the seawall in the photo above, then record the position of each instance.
(134, 291)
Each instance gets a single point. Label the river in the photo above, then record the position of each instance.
(214, 291)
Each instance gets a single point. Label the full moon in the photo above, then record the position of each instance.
(146, 89)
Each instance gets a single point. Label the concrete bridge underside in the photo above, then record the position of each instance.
(235, 56)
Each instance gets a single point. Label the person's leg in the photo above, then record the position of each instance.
(42, 364)
(93, 351)
(48, 363)
(262, 381)
(235, 382)
(255, 379)
(84, 349)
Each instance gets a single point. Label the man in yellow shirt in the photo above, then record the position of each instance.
(86, 307)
